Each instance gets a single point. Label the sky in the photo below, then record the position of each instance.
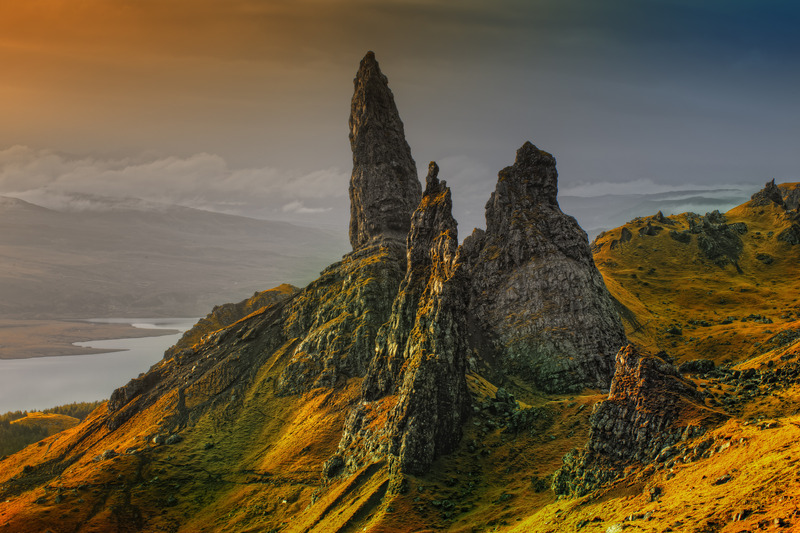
(241, 106)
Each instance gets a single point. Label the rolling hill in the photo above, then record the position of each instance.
(128, 258)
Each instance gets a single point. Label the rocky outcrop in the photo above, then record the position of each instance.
(414, 397)
(790, 235)
(770, 194)
(716, 239)
(384, 188)
(539, 306)
(650, 407)
(791, 195)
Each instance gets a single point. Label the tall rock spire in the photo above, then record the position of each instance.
(384, 187)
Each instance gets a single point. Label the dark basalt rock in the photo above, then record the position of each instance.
(791, 195)
(770, 194)
(650, 407)
(539, 307)
(661, 219)
(384, 187)
(650, 230)
(416, 382)
(721, 244)
(790, 235)
(716, 239)
(684, 237)
(696, 366)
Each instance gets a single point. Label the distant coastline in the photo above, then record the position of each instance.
(93, 369)
(24, 339)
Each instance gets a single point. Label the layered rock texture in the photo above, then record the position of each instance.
(539, 305)
(770, 194)
(649, 408)
(415, 396)
(384, 188)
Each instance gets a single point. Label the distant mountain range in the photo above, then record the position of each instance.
(600, 213)
(127, 257)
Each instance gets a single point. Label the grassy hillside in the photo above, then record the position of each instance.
(717, 287)
(20, 428)
(694, 306)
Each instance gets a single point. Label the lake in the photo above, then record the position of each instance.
(42, 382)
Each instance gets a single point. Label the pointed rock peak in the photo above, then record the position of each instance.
(433, 185)
(369, 59)
(771, 193)
(384, 187)
(532, 180)
(536, 170)
(433, 225)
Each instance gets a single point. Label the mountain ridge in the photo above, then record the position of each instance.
(419, 385)
(174, 261)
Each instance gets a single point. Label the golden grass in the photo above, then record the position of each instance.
(255, 464)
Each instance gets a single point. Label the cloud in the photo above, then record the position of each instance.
(647, 187)
(201, 180)
(299, 207)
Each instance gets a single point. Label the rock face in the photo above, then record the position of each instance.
(716, 239)
(770, 194)
(649, 408)
(188, 382)
(539, 305)
(224, 315)
(791, 195)
(336, 318)
(384, 188)
(414, 397)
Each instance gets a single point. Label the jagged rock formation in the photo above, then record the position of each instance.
(539, 307)
(770, 194)
(716, 239)
(384, 188)
(790, 235)
(338, 316)
(649, 408)
(366, 366)
(415, 394)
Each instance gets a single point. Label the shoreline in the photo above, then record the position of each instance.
(31, 338)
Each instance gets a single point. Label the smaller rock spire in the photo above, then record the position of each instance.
(769, 194)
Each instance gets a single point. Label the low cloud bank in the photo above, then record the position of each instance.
(204, 181)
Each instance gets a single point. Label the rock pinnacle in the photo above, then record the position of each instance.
(384, 187)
